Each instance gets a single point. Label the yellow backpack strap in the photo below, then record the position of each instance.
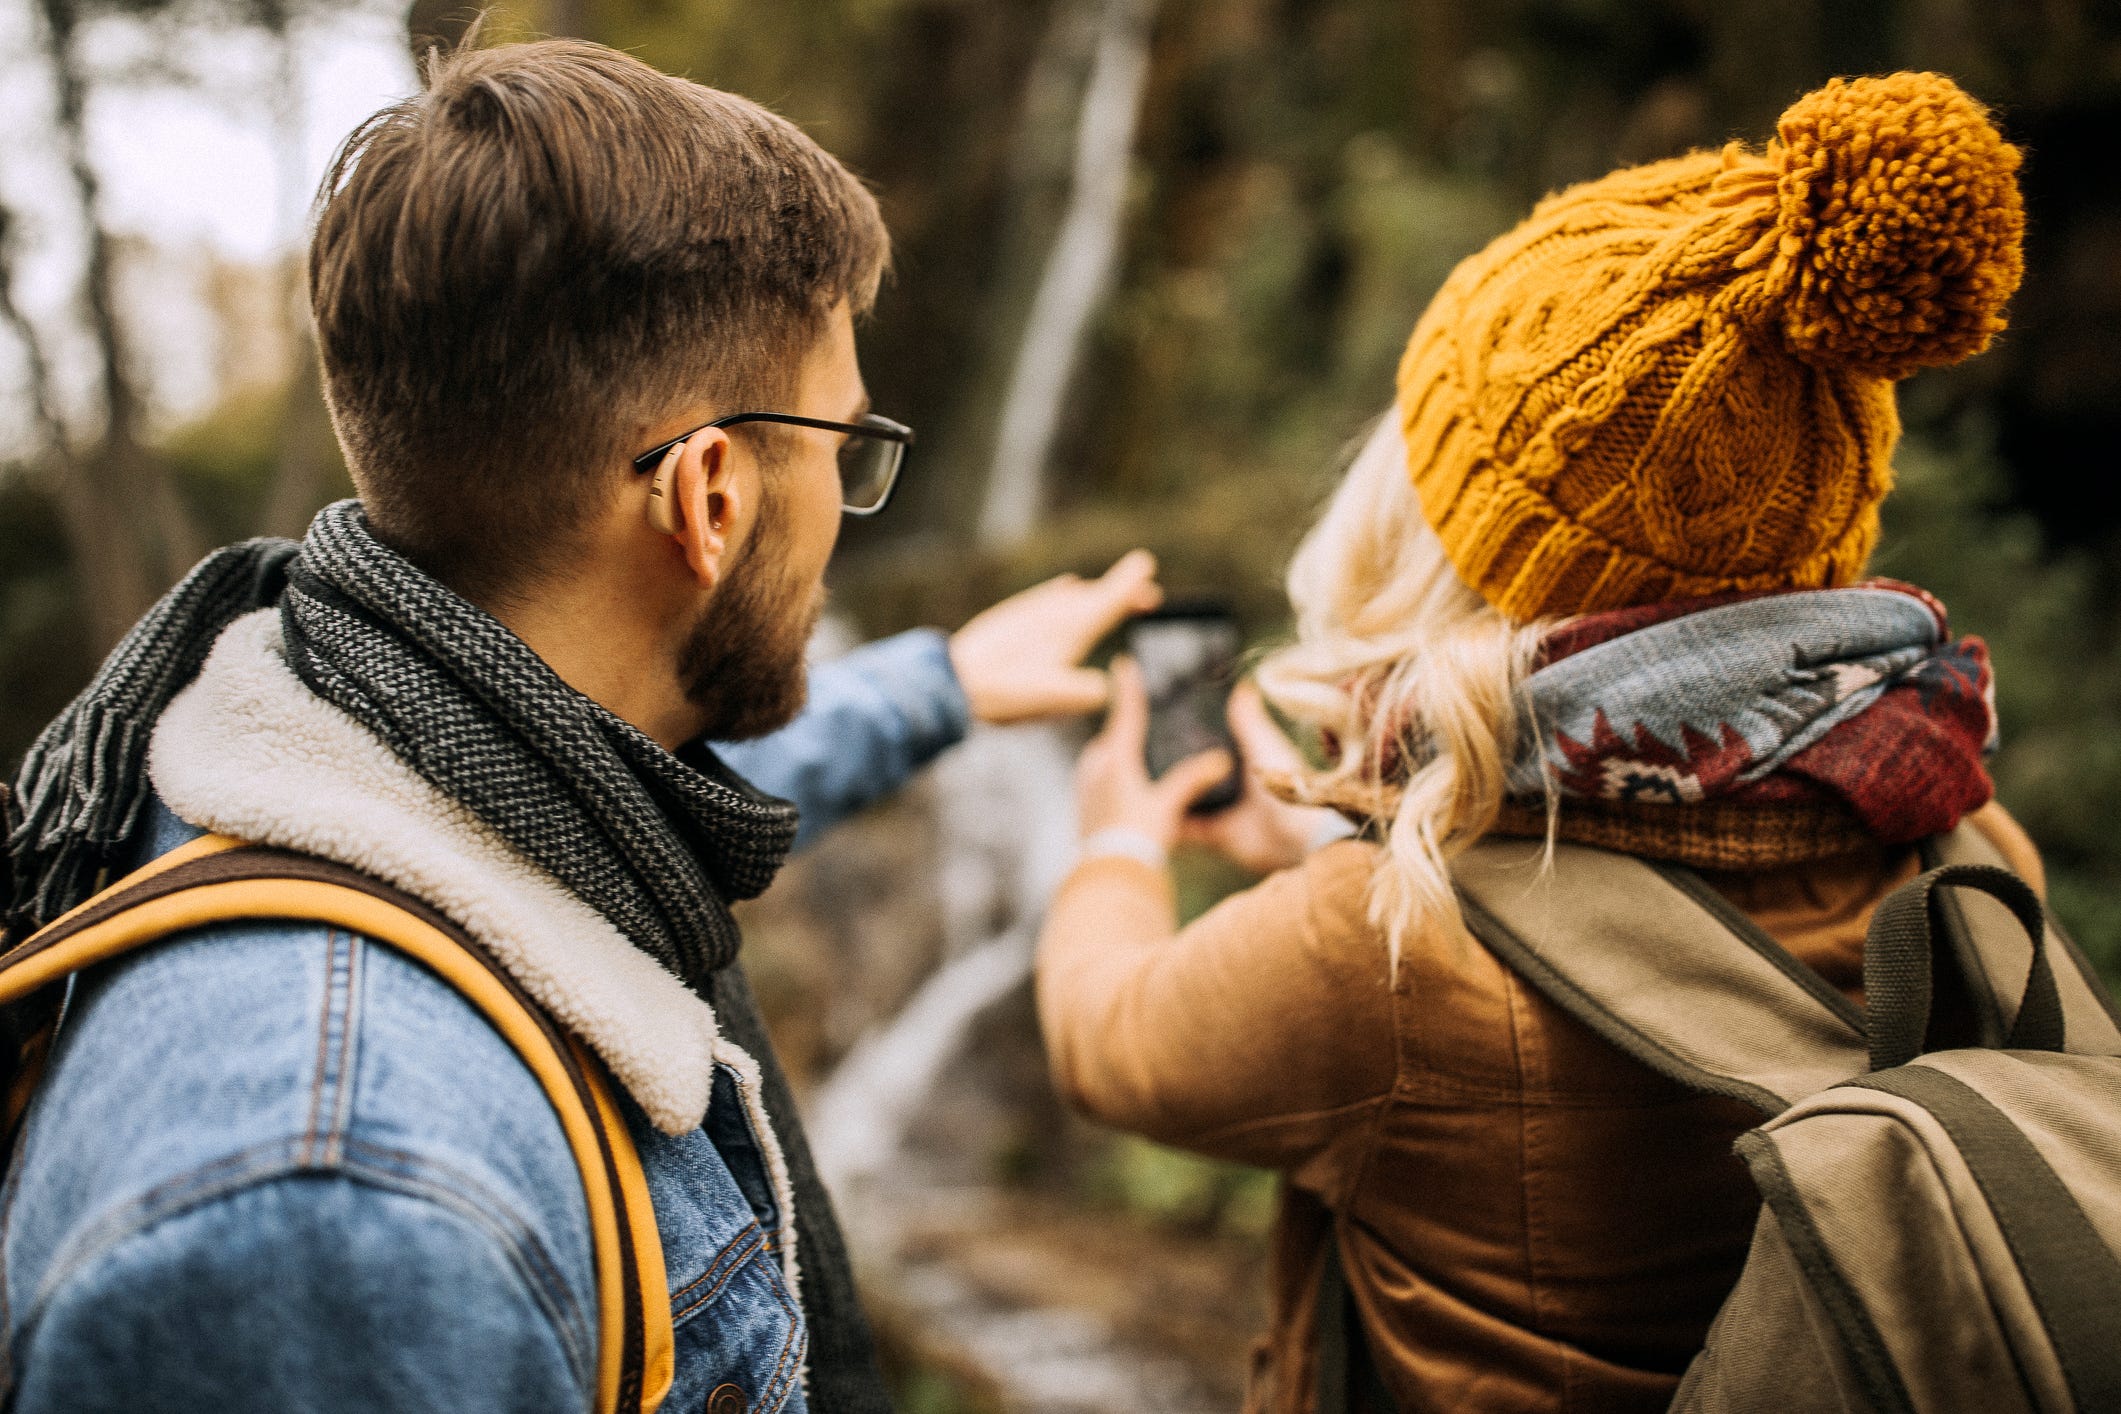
(217, 880)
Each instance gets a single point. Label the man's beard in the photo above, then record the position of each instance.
(743, 663)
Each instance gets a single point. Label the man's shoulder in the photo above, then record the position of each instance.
(315, 1290)
(255, 1032)
(279, 1058)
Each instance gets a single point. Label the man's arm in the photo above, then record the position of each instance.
(304, 1291)
(887, 709)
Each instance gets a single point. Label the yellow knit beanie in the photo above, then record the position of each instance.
(1677, 380)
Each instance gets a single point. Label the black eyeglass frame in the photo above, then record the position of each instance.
(872, 425)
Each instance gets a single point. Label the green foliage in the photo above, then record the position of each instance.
(225, 462)
(2057, 661)
(925, 1390)
(1177, 1189)
(42, 629)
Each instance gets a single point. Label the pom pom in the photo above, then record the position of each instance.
(1899, 224)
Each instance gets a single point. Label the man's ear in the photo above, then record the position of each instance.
(705, 500)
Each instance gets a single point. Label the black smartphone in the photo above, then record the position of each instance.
(1188, 651)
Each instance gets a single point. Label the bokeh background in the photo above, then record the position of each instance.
(1155, 263)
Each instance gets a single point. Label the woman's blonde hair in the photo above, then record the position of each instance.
(1415, 680)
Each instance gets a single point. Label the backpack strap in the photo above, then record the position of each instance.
(215, 879)
(2070, 1274)
(1991, 949)
(1348, 1378)
(1662, 966)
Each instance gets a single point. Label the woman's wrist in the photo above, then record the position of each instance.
(1123, 842)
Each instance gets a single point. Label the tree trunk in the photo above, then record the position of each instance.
(122, 497)
(111, 580)
(1078, 273)
(306, 461)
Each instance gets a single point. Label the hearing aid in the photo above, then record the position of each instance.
(661, 514)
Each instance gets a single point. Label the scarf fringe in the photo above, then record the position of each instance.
(82, 785)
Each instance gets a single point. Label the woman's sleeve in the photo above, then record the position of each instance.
(1256, 1033)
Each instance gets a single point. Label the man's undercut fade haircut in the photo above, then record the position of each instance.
(519, 270)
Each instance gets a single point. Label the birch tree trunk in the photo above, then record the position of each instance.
(306, 460)
(1077, 275)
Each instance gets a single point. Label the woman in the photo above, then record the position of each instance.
(1566, 589)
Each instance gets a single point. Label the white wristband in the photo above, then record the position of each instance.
(1120, 842)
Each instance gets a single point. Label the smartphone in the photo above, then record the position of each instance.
(1188, 651)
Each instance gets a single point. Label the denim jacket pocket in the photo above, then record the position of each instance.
(734, 1319)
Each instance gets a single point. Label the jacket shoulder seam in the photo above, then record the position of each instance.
(440, 1186)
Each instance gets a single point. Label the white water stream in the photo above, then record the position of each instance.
(1006, 838)
(1006, 827)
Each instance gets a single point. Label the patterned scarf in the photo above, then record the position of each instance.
(1856, 700)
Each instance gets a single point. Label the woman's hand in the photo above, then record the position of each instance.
(1262, 832)
(1113, 791)
(1021, 660)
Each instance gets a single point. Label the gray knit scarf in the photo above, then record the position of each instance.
(660, 844)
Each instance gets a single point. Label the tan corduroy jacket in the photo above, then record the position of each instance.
(1529, 1220)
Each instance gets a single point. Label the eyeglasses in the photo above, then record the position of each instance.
(871, 452)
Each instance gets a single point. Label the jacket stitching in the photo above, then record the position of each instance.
(750, 1228)
(517, 1241)
(388, 1163)
(730, 1270)
(729, 1254)
(345, 1066)
(263, 1164)
(319, 1063)
(779, 1385)
(1429, 1087)
(1524, 1165)
(1243, 1128)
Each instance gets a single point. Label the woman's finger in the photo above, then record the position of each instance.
(1127, 724)
(1193, 778)
(1078, 691)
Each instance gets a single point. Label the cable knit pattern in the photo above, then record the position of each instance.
(1677, 380)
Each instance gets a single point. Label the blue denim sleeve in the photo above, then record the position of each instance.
(306, 1291)
(875, 717)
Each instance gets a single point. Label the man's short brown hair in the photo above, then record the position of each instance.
(552, 246)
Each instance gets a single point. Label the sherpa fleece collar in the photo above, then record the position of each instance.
(247, 750)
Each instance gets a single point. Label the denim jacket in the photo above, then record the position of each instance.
(279, 1167)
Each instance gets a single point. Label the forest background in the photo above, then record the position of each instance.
(1155, 264)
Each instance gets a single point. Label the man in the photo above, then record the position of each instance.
(273, 1166)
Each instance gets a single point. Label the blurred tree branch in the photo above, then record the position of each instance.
(307, 459)
(129, 530)
(113, 583)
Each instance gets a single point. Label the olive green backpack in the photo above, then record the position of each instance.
(1941, 1213)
